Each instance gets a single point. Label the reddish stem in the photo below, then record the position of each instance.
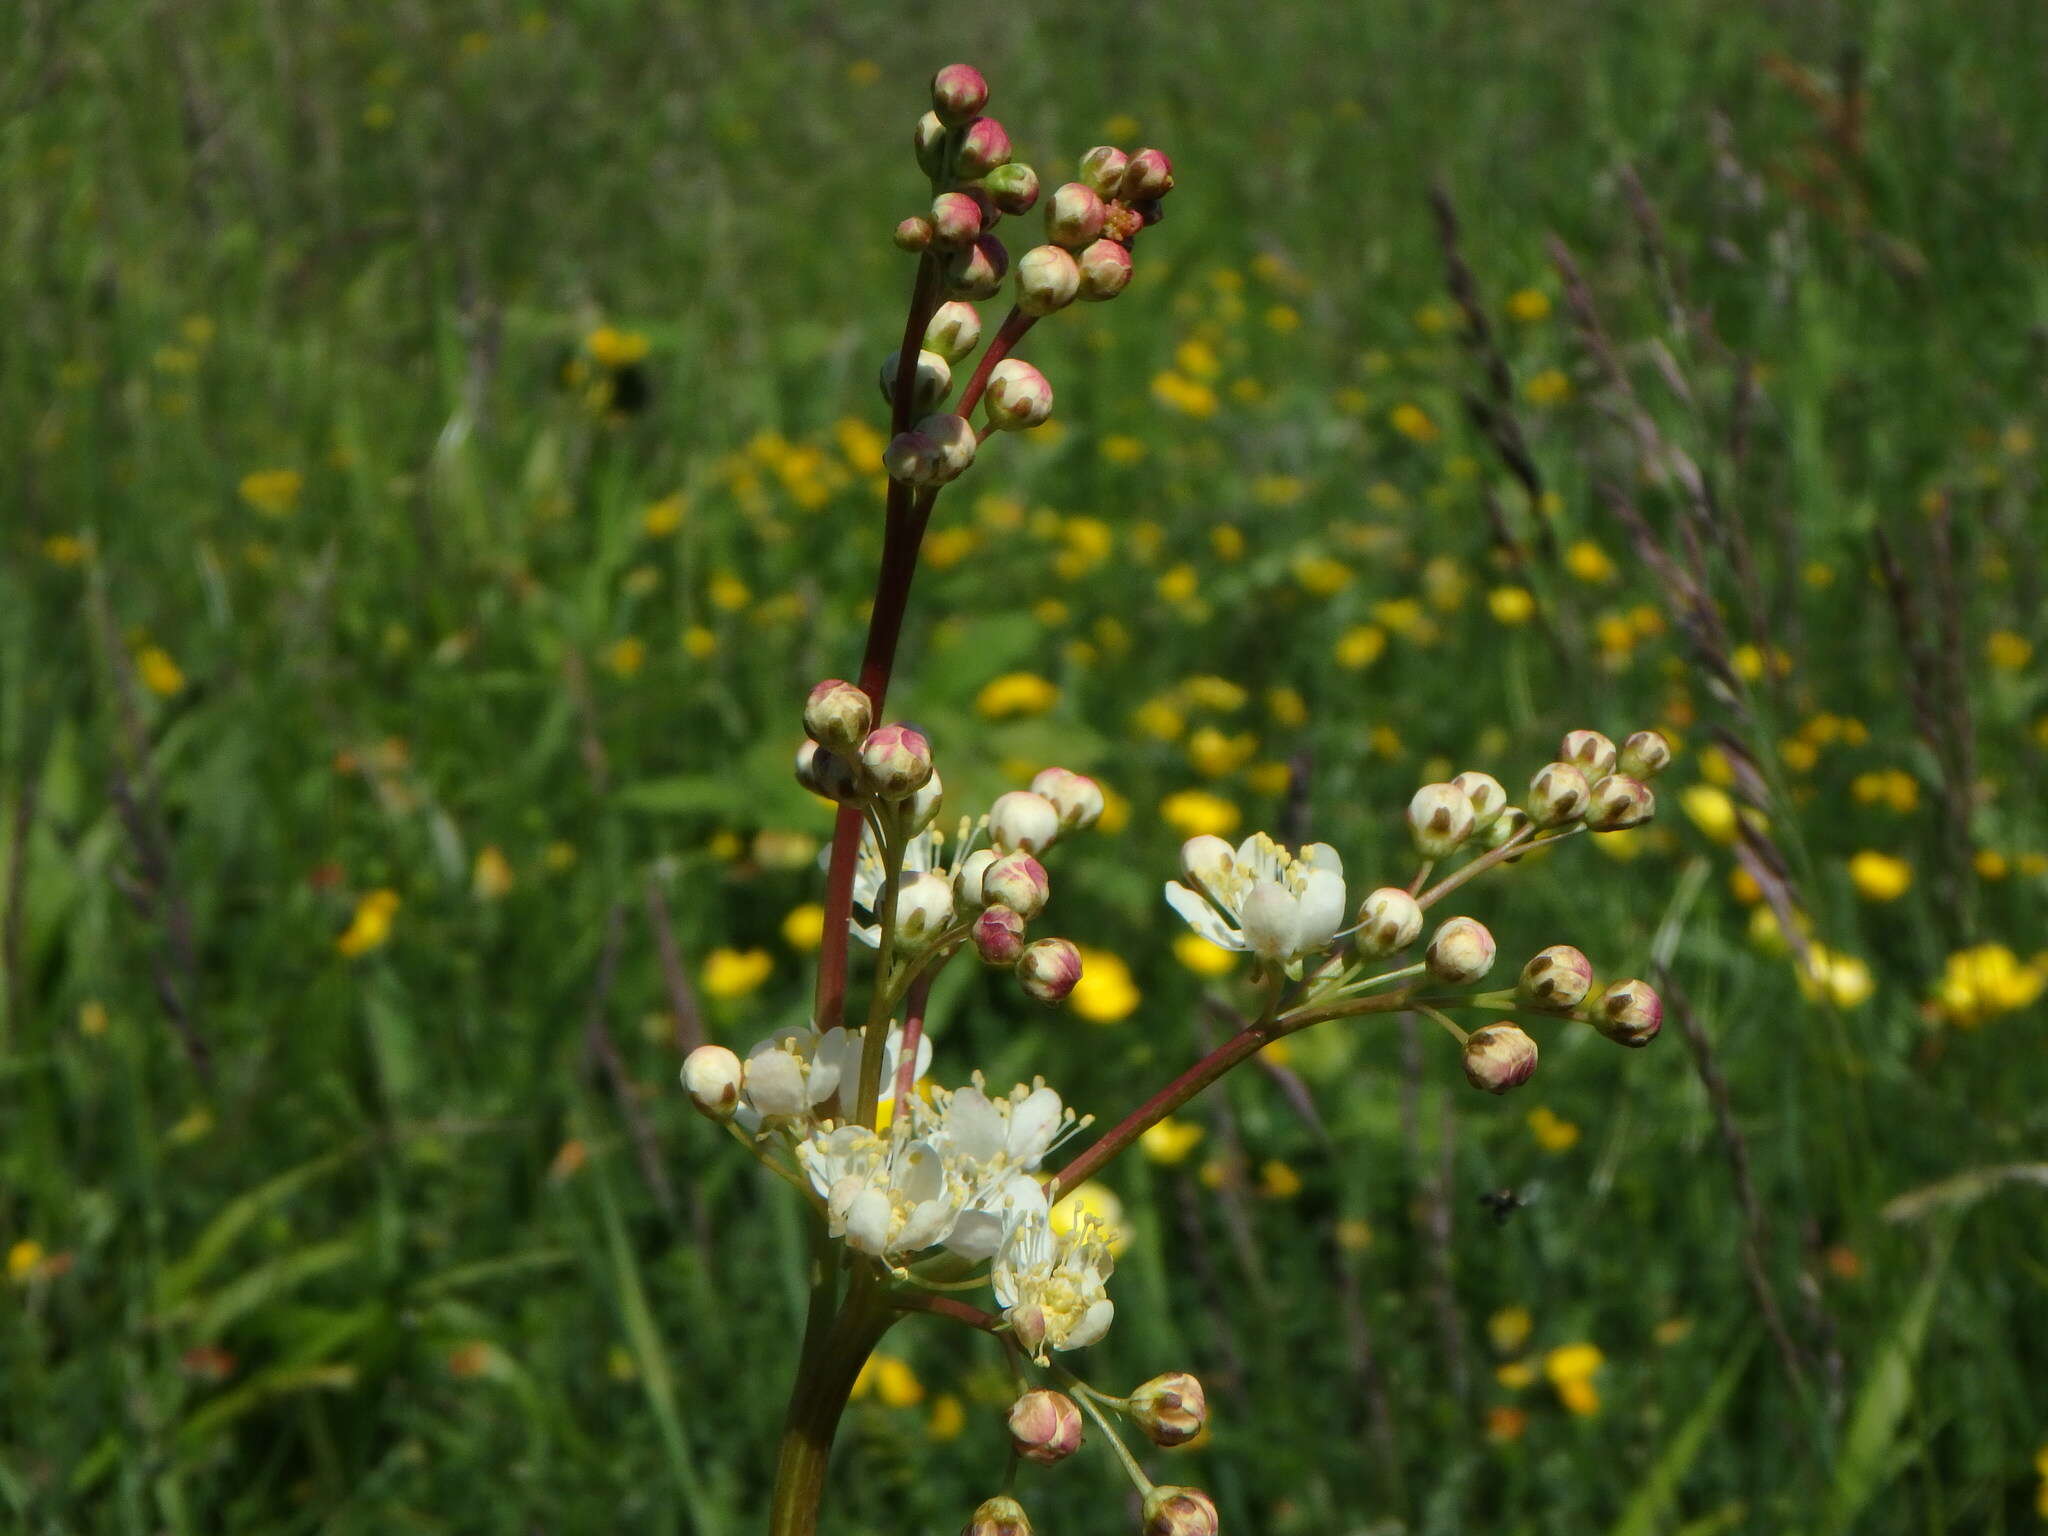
(946, 1306)
(1015, 324)
(913, 1032)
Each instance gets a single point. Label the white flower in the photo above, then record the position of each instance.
(869, 876)
(1052, 1287)
(795, 1074)
(1260, 897)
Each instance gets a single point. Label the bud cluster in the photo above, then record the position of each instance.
(1592, 782)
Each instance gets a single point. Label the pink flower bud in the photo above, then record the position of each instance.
(1618, 801)
(1105, 271)
(1102, 168)
(1440, 818)
(1558, 795)
(931, 380)
(712, 1076)
(1556, 979)
(823, 773)
(1013, 187)
(1045, 1426)
(953, 331)
(984, 146)
(1499, 1057)
(1593, 753)
(1388, 920)
(1022, 821)
(1644, 755)
(929, 140)
(1460, 951)
(1171, 1409)
(977, 271)
(956, 220)
(897, 760)
(998, 936)
(1047, 280)
(912, 458)
(959, 92)
(1018, 397)
(914, 234)
(1487, 797)
(954, 440)
(1000, 1516)
(1075, 796)
(1049, 969)
(1017, 881)
(838, 714)
(1179, 1512)
(1073, 215)
(1147, 174)
(1629, 1013)
(967, 877)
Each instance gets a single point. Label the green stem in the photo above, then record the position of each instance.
(836, 1346)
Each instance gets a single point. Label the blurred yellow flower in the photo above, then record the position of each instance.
(1879, 876)
(1552, 1131)
(1891, 787)
(1197, 954)
(1105, 993)
(948, 1419)
(160, 675)
(1278, 1180)
(1986, 980)
(1169, 1142)
(1570, 1369)
(1179, 584)
(1284, 319)
(1360, 646)
(1269, 778)
(803, 929)
(491, 876)
(1213, 754)
(663, 517)
(1354, 1234)
(626, 656)
(273, 492)
(1207, 691)
(1193, 812)
(890, 1379)
(730, 973)
(610, 347)
(371, 924)
(1016, 694)
(1515, 1375)
(1286, 706)
(65, 549)
(1551, 386)
(1505, 1423)
(1830, 976)
(23, 1258)
(1712, 810)
(1413, 423)
(1590, 563)
(1511, 605)
(1529, 305)
(1122, 449)
(1508, 1329)
(2007, 651)
(1178, 392)
(92, 1018)
(1159, 719)
(699, 642)
(727, 592)
(1226, 541)
(1099, 1201)
(1321, 575)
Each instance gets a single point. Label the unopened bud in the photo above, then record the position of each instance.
(1013, 187)
(1593, 753)
(1556, 979)
(912, 458)
(1509, 824)
(1171, 1409)
(1102, 169)
(1021, 821)
(931, 380)
(922, 808)
(955, 220)
(998, 935)
(929, 140)
(1045, 1426)
(1017, 881)
(1018, 396)
(953, 331)
(977, 271)
(914, 234)
(967, 878)
(959, 92)
(824, 773)
(1558, 795)
(1073, 215)
(984, 146)
(1179, 1512)
(1000, 1516)
(897, 760)
(1147, 174)
(1644, 755)
(1075, 796)
(1629, 1013)
(712, 1076)
(1460, 951)
(1047, 280)
(1618, 801)
(1487, 797)
(1499, 1057)
(1388, 920)
(1440, 818)
(1105, 271)
(1049, 969)
(838, 714)
(954, 440)
(924, 910)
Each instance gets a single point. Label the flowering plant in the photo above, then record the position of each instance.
(919, 1193)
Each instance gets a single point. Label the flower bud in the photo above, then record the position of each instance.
(1075, 796)
(1045, 1426)
(1499, 1057)
(929, 140)
(775, 1086)
(1013, 187)
(1440, 818)
(1618, 801)
(968, 876)
(1073, 215)
(838, 714)
(1179, 1512)
(1171, 1409)
(1593, 753)
(897, 760)
(955, 220)
(912, 458)
(1147, 174)
(823, 773)
(959, 92)
(930, 381)
(976, 271)
(1017, 881)
(1644, 755)
(953, 331)
(1510, 823)
(1021, 821)
(1049, 969)
(1556, 979)
(1047, 280)
(1487, 797)
(1000, 1516)
(923, 807)
(1558, 795)
(953, 439)
(998, 935)
(1102, 169)
(914, 234)
(924, 910)
(712, 1076)
(1105, 271)
(984, 146)
(1460, 951)
(1018, 396)
(1629, 1013)
(1388, 920)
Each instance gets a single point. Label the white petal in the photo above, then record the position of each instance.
(1093, 1325)
(1205, 861)
(1033, 1124)
(928, 1222)
(974, 1127)
(775, 1083)
(1322, 856)
(867, 1221)
(1322, 909)
(976, 1235)
(1272, 922)
(1201, 916)
(1260, 857)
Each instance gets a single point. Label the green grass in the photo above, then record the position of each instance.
(353, 1280)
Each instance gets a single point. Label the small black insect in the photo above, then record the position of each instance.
(1503, 1203)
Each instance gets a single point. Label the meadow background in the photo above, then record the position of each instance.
(440, 449)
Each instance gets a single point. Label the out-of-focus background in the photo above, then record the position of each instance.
(441, 446)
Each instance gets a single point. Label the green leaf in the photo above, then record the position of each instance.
(237, 1216)
(1870, 1454)
(1645, 1512)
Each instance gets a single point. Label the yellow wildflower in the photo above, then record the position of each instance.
(1986, 980)
(803, 929)
(491, 877)
(92, 1018)
(66, 549)
(626, 655)
(1589, 562)
(1321, 575)
(160, 675)
(610, 347)
(1193, 812)
(1413, 423)
(1179, 584)
(1159, 719)
(1712, 810)
(663, 517)
(1105, 993)
(1509, 1328)
(1570, 1369)
(1121, 449)
(1016, 694)
(1207, 691)
(948, 1419)
(730, 973)
(1879, 876)
(727, 592)
(1552, 1131)
(1197, 954)
(1283, 319)
(1552, 386)
(1178, 392)
(1354, 1234)
(1515, 1375)
(1286, 706)
(1278, 1181)
(24, 1258)
(1213, 754)
(273, 492)
(1830, 976)
(1269, 778)
(1529, 305)
(370, 926)
(1169, 1142)
(1511, 605)
(2007, 651)
(1360, 646)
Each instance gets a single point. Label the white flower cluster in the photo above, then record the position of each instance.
(1259, 897)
